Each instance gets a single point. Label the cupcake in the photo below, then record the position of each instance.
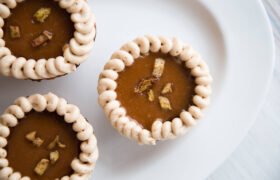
(154, 88)
(44, 39)
(44, 137)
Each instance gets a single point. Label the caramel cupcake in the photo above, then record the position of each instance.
(44, 137)
(44, 39)
(154, 88)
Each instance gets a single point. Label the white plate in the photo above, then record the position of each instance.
(235, 39)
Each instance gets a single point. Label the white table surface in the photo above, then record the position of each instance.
(258, 156)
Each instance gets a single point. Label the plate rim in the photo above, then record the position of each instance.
(267, 88)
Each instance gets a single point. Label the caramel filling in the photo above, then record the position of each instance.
(39, 160)
(163, 98)
(25, 29)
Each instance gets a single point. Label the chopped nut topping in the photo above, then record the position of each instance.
(61, 145)
(144, 85)
(56, 142)
(35, 140)
(48, 34)
(38, 142)
(41, 167)
(14, 32)
(43, 38)
(158, 67)
(167, 89)
(151, 95)
(42, 14)
(164, 103)
(31, 136)
(54, 156)
(53, 143)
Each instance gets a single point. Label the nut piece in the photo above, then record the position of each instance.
(43, 38)
(56, 142)
(38, 142)
(52, 145)
(31, 136)
(48, 34)
(35, 140)
(164, 103)
(144, 85)
(167, 89)
(158, 67)
(61, 145)
(54, 156)
(42, 14)
(151, 95)
(14, 32)
(41, 167)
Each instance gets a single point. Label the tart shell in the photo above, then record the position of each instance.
(74, 53)
(83, 165)
(125, 57)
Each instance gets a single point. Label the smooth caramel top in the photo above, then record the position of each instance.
(138, 105)
(58, 22)
(23, 156)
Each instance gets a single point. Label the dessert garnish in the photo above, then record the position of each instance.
(42, 14)
(56, 142)
(54, 156)
(158, 67)
(164, 103)
(41, 167)
(43, 38)
(145, 85)
(14, 32)
(167, 89)
(37, 141)
(151, 95)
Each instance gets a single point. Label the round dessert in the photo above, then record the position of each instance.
(154, 88)
(44, 137)
(44, 39)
